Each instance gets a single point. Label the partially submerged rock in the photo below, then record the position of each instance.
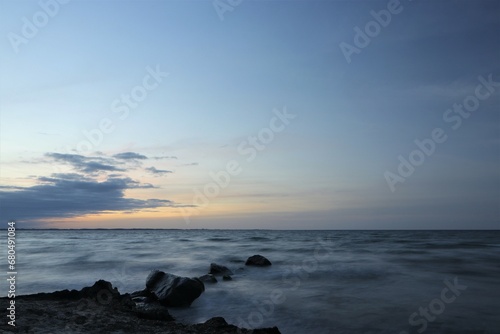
(217, 269)
(172, 290)
(208, 278)
(258, 260)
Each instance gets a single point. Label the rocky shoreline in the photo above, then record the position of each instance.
(101, 308)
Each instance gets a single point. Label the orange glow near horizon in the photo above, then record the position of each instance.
(168, 217)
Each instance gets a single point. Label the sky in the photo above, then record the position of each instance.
(250, 114)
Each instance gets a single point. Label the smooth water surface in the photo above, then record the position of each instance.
(320, 281)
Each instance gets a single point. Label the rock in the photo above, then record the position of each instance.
(153, 311)
(273, 330)
(102, 292)
(208, 278)
(87, 311)
(100, 289)
(147, 305)
(216, 322)
(227, 278)
(100, 295)
(216, 269)
(137, 300)
(143, 293)
(143, 296)
(172, 290)
(57, 295)
(80, 320)
(218, 325)
(258, 260)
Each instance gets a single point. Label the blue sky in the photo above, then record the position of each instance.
(219, 82)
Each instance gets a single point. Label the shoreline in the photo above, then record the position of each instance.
(102, 309)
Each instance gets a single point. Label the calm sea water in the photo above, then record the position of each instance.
(320, 281)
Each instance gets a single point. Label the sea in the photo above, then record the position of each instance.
(320, 282)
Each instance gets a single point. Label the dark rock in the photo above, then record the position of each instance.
(101, 289)
(122, 301)
(153, 311)
(88, 311)
(172, 290)
(273, 330)
(208, 278)
(216, 325)
(227, 278)
(219, 325)
(80, 320)
(137, 300)
(147, 306)
(56, 295)
(216, 269)
(104, 294)
(143, 295)
(258, 260)
(216, 322)
(101, 293)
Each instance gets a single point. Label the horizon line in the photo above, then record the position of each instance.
(239, 229)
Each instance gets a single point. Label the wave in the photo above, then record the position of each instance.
(259, 239)
(459, 245)
(218, 239)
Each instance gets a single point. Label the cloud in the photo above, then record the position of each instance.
(95, 167)
(164, 157)
(84, 164)
(73, 195)
(130, 156)
(11, 187)
(94, 185)
(158, 172)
